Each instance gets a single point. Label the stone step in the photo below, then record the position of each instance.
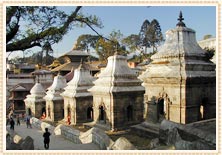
(151, 125)
(147, 131)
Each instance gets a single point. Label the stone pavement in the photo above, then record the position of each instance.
(56, 142)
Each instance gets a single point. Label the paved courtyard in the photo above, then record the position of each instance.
(56, 142)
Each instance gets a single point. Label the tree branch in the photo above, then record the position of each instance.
(10, 35)
(36, 38)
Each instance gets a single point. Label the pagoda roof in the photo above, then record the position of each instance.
(75, 53)
(69, 65)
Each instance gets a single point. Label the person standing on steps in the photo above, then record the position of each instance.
(46, 136)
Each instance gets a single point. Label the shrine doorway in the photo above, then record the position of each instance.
(101, 114)
(89, 113)
(129, 113)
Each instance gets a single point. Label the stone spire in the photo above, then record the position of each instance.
(81, 81)
(56, 88)
(181, 75)
(180, 42)
(117, 77)
(37, 93)
(180, 19)
(37, 90)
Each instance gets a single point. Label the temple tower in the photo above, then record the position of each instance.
(34, 103)
(117, 96)
(78, 102)
(180, 82)
(54, 101)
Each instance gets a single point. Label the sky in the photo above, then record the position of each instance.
(128, 19)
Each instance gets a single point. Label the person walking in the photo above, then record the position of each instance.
(46, 136)
(18, 120)
(28, 123)
(12, 123)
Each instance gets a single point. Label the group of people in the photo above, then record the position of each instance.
(46, 134)
(11, 121)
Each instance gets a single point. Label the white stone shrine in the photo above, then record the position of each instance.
(54, 101)
(34, 102)
(117, 96)
(78, 102)
(180, 82)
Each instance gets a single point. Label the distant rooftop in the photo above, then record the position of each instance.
(75, 52)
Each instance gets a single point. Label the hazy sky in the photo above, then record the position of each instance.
(128, 19)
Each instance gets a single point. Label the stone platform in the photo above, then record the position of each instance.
(149, 130)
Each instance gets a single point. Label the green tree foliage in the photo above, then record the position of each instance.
(35, 58)
(106, 47)
(154, 34)
(85, 41)
(150, 35)
(132, 42)
(143, 38)
(31, 26)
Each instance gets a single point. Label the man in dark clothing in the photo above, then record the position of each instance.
(28, 123)
(18, 121)
(12, 123)
(46, 138)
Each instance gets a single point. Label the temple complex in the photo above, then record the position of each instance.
(78, 102)
(166, 102)
(117, 96)
(34, 103)
(180, 82)
(54, 101)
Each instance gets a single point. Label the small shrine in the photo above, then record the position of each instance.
(180, 82)
(117, 96)
(54, 101)
(34, 103)
(78, 102)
